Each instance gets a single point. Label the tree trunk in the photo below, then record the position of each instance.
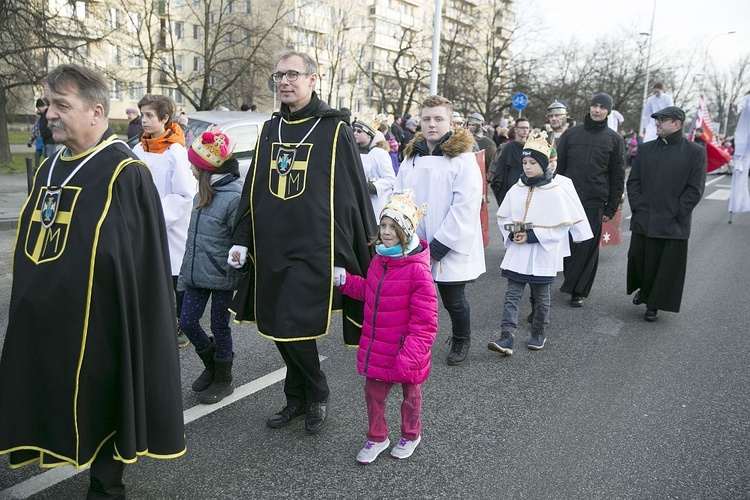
(5, 156)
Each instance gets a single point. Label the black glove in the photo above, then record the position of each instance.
(372, 188)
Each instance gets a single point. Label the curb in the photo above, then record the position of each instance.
(8, 224)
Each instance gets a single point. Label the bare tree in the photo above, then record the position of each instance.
(397, 87)
(30, 38)
(724, 87)
(229, 47)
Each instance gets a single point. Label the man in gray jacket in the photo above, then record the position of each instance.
(665, 184)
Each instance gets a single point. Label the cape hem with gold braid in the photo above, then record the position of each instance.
(90, 351)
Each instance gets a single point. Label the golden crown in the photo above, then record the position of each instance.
(368, 119)
(538, 142)
(402, 209)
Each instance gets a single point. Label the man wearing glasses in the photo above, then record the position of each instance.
(665, 184)
(304, 220)
(507, 168)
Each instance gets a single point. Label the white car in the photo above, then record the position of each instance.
(241, 127)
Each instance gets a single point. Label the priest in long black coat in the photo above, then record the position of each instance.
(665, 185)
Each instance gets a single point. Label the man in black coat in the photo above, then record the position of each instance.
(507, 167)
(665, 184)
(592, 155)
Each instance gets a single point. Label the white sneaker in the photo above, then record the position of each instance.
(405, 448)
(370, 452)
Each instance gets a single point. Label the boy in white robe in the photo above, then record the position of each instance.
(535, 218)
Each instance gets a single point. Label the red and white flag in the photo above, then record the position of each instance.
(716, 157)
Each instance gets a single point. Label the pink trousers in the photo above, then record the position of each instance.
(376, 392)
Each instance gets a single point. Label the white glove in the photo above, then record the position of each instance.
(237, 256)
(339, 276)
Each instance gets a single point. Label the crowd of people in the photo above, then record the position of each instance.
(336, 214)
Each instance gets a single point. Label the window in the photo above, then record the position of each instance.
(115, 55)
(179, 63)
(134, 59)
(230, 6)
(196, 32)
(82, 10)
(196, 3)
(135, 22)
(113, 18)
(115, 90)
(135, 91)
(179, 30)
(247, 6)
(197, 64)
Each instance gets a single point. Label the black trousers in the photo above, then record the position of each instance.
(580, 267)
(105, 477)
(305, 382)
(455, 302)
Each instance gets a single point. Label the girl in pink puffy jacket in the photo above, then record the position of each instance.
(400, 324)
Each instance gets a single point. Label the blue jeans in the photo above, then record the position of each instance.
(455, 302)
(48, 150)
(541, 295)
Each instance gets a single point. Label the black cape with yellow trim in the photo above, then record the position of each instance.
(304, 209)
(90, 348)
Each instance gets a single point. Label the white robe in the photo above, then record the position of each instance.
(553, 213)
(177, 187)
(452, 189)
(379, 170)
(653, 104)
(739, 200)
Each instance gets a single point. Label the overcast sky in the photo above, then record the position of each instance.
(695, 24)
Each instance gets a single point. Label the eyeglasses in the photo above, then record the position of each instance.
(359, 131)
(291, 76)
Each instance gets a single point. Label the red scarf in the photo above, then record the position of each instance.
(160, 144)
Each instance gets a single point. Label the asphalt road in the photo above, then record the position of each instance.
(613, 407)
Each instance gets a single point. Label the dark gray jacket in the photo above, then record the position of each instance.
(666, 183)
(209, 240)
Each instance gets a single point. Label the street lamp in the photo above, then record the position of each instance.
(650, 35)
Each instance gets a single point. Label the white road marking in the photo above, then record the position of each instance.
(56, 475)
(719, 195)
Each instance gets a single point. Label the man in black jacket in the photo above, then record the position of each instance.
(508, 168)
(304, 220)
(665, 184)
(592, 156)
(48, 143)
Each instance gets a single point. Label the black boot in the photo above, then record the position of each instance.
(459, 350)
(207, 356)
(222, 385)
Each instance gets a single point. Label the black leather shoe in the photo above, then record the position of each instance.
(576, 301)
(317, 417)
(637, 299)
(285, 416)
(651, 315)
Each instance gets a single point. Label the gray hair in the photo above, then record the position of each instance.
(91, 86)
(310, 65)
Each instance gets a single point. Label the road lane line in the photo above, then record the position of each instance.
(56, 475)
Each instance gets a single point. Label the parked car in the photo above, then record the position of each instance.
(241, 127)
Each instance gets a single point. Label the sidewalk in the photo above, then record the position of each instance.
(12, 197)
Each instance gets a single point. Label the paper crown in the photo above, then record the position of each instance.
(368, 121)
(402, 209)
(538, 142)
(210, 150)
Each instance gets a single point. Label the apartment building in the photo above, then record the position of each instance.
(210, 54)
